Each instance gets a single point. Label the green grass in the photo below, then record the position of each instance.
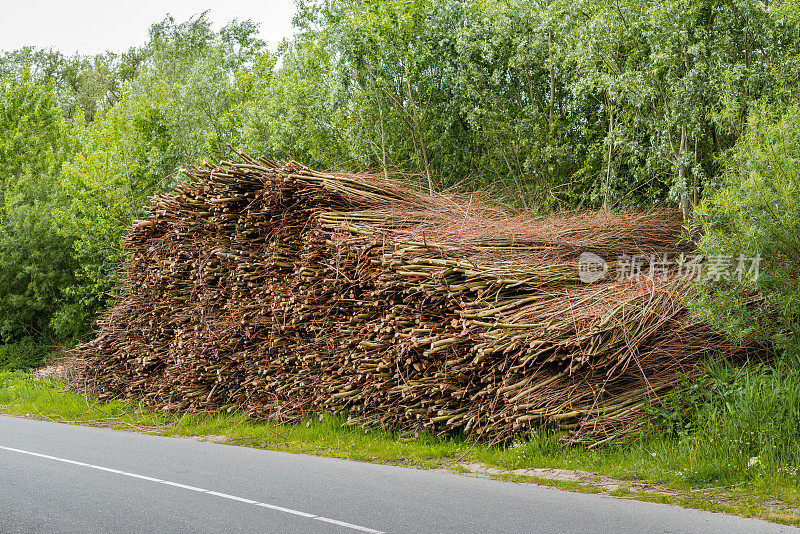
(711, 475)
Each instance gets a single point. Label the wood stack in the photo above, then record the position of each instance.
(283, 291)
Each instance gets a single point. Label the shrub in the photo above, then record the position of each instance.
(22, 355)
(755, 212)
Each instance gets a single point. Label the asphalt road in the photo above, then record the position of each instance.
(58, 478)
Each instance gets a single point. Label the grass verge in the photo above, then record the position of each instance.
(659, 468)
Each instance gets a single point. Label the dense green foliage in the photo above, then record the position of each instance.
(36, 264)
(22, 355)
(551, 103)
(557, 103)
(757, 212)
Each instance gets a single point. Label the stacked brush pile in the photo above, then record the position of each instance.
(283, 291)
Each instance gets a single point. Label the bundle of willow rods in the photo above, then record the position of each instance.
(284, 291)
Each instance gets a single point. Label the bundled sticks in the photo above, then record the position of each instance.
(284, 291)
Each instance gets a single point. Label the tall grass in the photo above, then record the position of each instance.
(734, 424)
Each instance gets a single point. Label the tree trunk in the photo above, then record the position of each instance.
(552, 79)
(682, 176)
(685, 199)
(418, 130)
(607, 182)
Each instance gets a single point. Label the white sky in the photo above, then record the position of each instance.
(92, 26)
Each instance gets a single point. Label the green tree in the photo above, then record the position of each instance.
(86, 84)
(36, 264)
(756, 214)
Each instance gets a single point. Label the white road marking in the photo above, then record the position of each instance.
(199, 490)
(232, 497)
(287, 510)
(348, 525)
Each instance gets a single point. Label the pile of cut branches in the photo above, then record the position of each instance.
(284, 291)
